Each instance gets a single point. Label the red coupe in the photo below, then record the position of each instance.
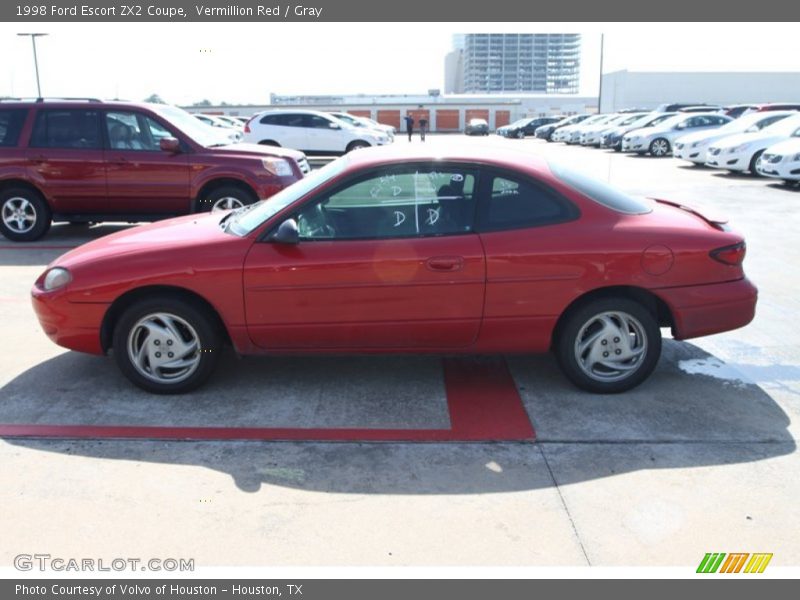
(388, 250)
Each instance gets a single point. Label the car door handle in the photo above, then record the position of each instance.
(445, 263)
(38, 159)
(119, 160)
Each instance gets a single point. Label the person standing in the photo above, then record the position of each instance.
(409, 125)
(423, 126)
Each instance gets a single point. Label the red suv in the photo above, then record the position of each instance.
(90, 160)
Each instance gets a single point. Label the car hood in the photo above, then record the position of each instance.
(181, 235)
(790, 146)
(763, 137)
(699, 136)
(257, 150)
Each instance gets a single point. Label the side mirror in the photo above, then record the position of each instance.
(286, 233)
(170, 144)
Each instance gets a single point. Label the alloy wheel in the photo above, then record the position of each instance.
(610, 346)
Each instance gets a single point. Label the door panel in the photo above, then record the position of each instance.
(142, 178)
(66, 159)
(394, 293)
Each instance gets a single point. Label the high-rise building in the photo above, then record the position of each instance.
(514, 62)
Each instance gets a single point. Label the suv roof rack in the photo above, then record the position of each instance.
(48, 99)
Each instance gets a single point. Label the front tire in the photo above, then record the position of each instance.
(356, 145)
(753, 161)
(167, 345)
(609, 345)
(227, 197)
(660, 147)
(24, 214)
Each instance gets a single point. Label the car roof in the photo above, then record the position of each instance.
(72, 103)
(448, 152)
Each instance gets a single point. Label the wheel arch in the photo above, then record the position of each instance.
(128, 299)
(646, 298)
(22, 183)
(218, 182)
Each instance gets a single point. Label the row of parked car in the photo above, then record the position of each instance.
(310, 131)
(758, 139)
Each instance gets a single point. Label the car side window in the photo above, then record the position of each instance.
(317, 122)
(397, 203)
(291, 120)
(11, 122)
(60, 128)
(129, 130)
(518, 204)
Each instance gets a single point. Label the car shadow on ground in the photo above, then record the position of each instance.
(785, 187)
(676, 419)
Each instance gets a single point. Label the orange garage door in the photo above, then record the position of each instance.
(361, 113)
(502, 117)
(476, 113)
(447, 120)
(389, 117)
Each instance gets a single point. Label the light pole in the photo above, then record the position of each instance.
(35, 59)
(600, 91)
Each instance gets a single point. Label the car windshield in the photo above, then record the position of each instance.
(246, 219)
(629, 119)
(786, 127)
(600, 191)
(199, 132)
(520, 122)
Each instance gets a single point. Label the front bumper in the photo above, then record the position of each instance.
(635, 145)
(732, 161)
(695, 154)
(707, 309)
(785, 168)
(73, 325)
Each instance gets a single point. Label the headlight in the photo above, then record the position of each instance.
(796, 157)
(55, 278)
(739, 148)
(277, 166)
(700, 143)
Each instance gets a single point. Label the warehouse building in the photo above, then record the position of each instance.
(623, 89)
(445, 114)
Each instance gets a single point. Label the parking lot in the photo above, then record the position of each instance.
(700, 458)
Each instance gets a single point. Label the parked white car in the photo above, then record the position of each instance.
(564, 134)
(658, 140)
(740, 152)
(612, 138)
(781, 160)
(231, 133)
(693, 147)
(366, 123)
(310, 131)
(593, 136)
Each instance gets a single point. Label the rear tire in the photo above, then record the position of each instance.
(150, 330)
(609, 345)
(24, 214)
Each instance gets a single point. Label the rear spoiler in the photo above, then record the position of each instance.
(716, 221)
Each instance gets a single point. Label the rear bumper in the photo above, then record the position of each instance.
(707, 309)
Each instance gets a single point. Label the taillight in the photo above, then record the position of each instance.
(247, 126)
(730, 255)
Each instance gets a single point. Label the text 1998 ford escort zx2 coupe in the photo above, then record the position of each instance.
(386, 250)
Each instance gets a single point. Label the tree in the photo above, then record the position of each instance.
(203, 103)
(155, 99)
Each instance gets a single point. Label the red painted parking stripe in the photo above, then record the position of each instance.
(482, 399)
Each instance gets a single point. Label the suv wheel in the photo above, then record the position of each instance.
(225, 198)
(167, 345)
(609, 346)
(25, 216)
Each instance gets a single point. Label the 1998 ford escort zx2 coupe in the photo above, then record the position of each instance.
(390, 250)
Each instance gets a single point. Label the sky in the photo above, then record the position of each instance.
(245, 62)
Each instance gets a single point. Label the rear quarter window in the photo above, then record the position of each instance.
(601, 192)
(11, 121)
